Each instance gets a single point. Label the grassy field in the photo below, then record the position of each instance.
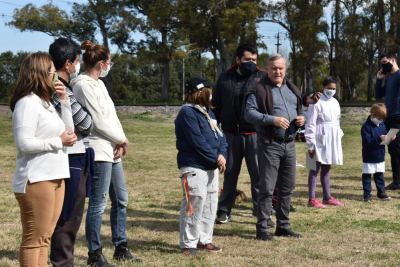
(357, 234)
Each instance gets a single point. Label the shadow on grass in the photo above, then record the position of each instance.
(9, 254)
(338, 196)
(242, 233)
(154, 245)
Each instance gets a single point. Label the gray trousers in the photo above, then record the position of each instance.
(239, 146)
(198, 227)
(277, 163)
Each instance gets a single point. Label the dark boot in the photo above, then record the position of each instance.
(97, 259)
(122, 253)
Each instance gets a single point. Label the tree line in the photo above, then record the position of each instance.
(341, 38)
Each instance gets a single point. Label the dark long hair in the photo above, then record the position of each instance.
(34, 78)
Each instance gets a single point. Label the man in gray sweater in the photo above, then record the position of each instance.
(275, 107)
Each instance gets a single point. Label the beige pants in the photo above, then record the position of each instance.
(202, 192)
(40, 209)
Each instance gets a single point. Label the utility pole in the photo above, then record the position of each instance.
(183, 79)
(277, 44)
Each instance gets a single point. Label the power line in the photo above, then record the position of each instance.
(6, 16)
(10, 3)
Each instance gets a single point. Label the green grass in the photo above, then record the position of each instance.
(358, 234)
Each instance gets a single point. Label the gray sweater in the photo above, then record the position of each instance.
(285, 105)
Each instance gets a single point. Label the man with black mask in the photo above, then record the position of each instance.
(390, 90)
(228, 100)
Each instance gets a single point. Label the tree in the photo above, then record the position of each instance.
(9, 70)
(302, 19)
(52, 21)
(163, 39)
(84, 22)
(221, 26)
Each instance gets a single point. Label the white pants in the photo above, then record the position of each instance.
(198, 227)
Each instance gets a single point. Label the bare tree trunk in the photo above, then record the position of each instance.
(225, 58)
(294, 63)
(310, 80)
(200, 64)
(109, 77)
(214, 53)
(164, 70)
(370, 77)
(336, 46)
(165, 80)
(381, 29)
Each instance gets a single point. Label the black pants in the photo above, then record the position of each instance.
(239, 147)
(394, 148)
(64, 236)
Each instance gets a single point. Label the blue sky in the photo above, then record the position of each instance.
(14, 40)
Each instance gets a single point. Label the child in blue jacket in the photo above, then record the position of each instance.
(373, 132)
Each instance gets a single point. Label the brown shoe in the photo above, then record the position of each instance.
(209, 247)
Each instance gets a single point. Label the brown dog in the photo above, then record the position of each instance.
(240, 197)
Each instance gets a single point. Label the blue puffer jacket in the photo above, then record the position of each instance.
(372, 151)
(195, 140)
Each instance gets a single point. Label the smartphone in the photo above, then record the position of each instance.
(55, 78)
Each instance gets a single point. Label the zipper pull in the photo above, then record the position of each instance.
(238, 127)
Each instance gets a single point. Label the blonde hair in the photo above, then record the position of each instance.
(379, 109)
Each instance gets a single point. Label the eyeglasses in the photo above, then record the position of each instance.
(111, 64)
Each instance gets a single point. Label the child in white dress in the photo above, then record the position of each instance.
(324, 141)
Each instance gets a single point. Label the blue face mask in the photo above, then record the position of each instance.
(247, 68)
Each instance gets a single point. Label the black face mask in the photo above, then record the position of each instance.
(248, 68)
(387, 68)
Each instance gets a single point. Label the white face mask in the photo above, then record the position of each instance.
(210, 97)
(376, 121)
(105, 72)
(75, 74)
(329, 93)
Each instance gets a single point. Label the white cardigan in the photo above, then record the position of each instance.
(40, 152)
(107, 130)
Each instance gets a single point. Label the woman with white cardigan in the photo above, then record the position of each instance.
(109, 143)
(42, 161)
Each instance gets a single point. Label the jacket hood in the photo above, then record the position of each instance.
(84, 78)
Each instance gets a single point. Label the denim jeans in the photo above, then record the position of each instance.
(109, 179)
(379, 182)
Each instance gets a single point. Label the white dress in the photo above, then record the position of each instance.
(323, 133)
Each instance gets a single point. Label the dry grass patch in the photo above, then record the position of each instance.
(357, 234)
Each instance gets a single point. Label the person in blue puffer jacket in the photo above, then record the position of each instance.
(202, 153)
(373, 132)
